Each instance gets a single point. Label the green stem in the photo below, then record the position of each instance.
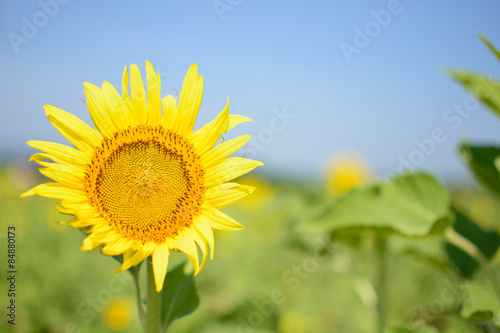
(140, 308)
(153, 316)
(381, 283)
(471, 249)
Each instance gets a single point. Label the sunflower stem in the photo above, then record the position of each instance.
(153, 315)
(381, 283)
(140, 309)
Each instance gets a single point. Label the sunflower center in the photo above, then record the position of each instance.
(147, 183)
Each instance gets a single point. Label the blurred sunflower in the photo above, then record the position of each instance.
(346, 171)
(143, 183)
(118, 314)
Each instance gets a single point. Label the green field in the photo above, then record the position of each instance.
(274, 276)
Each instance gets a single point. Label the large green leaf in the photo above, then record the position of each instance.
(179, 296)
(481, 304)
(482, 163)
(413, 205)
(484, 88)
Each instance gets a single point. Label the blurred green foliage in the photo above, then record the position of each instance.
(273, 276)
(482, 298)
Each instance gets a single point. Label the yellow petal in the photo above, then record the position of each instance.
(75, 130)
(128, 254)
(56, 191)
(126, 96)
(138, 95)
(169, 111)
(65, 211)
(202, 224)
(98, 111)
(230, 168)
(207, 136)
(86, 214)
(190, 100)
(226, 194)
(160, 264)
(154, 95)
(82, 224)
(90, 243)
(117, 247)
(98, 230)
(184, 242)
(63, 174)
(188, 85)
(106, 237)
(202, 243)
(125, 82)
(63, 152)
(219, 153)
(76, 170)
(219, 220)
(117, 108)
(139, 255)
(40, 157)
(235, 120)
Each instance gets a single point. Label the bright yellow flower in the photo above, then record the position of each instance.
(117, 315)
(142, 182)
(345, 172)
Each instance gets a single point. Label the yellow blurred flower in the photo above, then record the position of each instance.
(292, 322)
(345, 171)
(118, 314)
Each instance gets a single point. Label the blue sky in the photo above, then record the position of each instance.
(280, 63)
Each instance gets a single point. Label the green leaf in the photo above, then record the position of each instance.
(490, 46)
(484, 88)
(179, 296)
(413, 205)
(486, 241)
(480, 304)
(482, 163)
(419, 329)
(429, 251)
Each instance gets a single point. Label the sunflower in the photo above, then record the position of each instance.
(143, 183)
(347, 170)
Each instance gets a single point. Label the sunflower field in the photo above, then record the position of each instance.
(276, 276)
(351, 253)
